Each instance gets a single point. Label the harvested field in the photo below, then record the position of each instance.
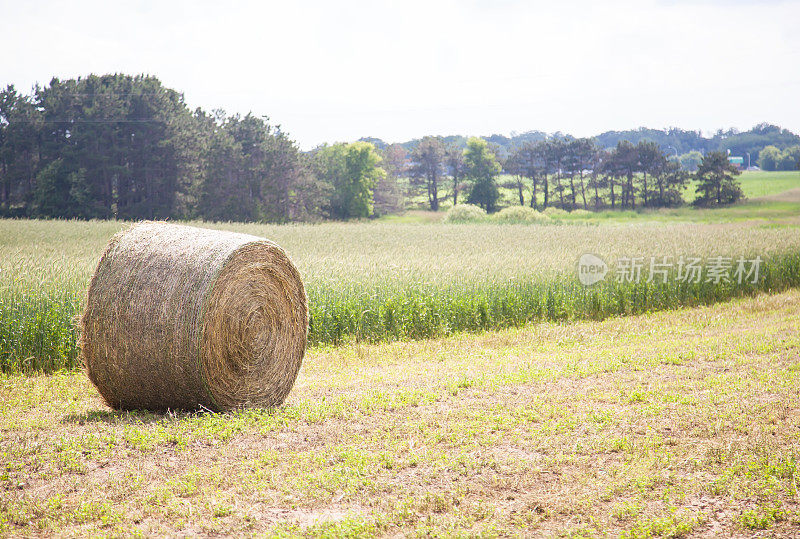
(671, 423)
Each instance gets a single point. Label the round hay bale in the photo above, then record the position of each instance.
(179, 317)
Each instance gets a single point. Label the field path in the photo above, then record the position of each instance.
(792, 195)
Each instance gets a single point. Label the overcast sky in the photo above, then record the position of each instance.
(340, 70)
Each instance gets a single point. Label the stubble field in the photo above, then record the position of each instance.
(675, 423)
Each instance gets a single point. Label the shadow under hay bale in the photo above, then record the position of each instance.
(179, 317)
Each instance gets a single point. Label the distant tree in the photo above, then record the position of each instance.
(353, 171)
(680, 139)
(670, 182)
(519, 165)
(60, 192)
(251, 141)
(582, 153)
(769, 157)
(387, 194)
(557, 149)
(226, 194)
(20, 149)
(790, 159)
(534, 167)
(717, 183)
(739, 143)
(481, 168)
(428, 165)
(310, 196)
(500, 145)
(250, 171)
(570, 167)
(625, 159)
(754, 140)
(544, 156)
(612, 176)
(395, 161)
(378, 143)
(454, 159)
(690, 160)
(283, 172)
(51, 195)
(597, 179)
(651, 162)
(131, 136)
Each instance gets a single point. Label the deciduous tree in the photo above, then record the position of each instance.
(353, 171)
(454, 159)
(481, 168)
(769, 157)
(428, 165)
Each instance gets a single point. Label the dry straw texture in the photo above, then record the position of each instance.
(179, 317)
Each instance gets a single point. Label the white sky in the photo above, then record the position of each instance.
(340, 70)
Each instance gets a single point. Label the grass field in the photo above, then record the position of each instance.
(761, 184)
(669, 424)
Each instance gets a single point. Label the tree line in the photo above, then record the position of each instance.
(120, 146)
(772, 158)
(569, 174)
(689, 145)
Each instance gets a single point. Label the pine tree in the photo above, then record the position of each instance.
(717, 183)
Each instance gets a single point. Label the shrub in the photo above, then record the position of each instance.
(580, 212)
(555, 213)
(464, 213)
(519, 214)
